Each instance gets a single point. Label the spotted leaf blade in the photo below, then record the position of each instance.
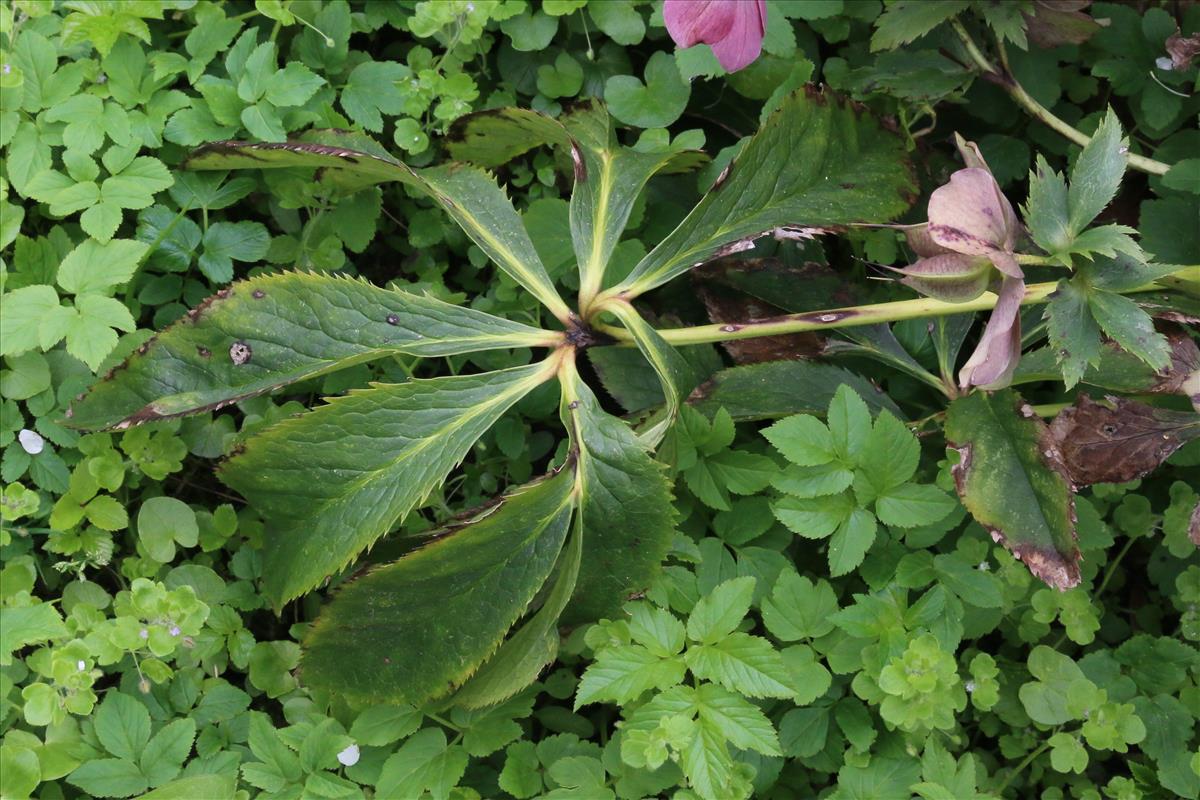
(624, 506)
(414, 630)
(271, 331)
(332, 481)
(1011, 478)
(816, 161)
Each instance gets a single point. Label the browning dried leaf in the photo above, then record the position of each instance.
(1182, 49)
(1118, 440)
(731, 307)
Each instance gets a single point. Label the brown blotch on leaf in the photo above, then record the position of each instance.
(239, 353)
(1194, 526)
(203, 351)
(1118, 440)
(577, 162)
(258, 294)
(738, 310)
(393, 319)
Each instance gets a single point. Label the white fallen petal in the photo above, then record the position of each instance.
(349, 756)
(31, 441)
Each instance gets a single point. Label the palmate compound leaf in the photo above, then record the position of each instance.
(350, 161)
(332, 481)
(816, 161)
(416, 629)
(1011, 478)
(271, 331)
(608, 177)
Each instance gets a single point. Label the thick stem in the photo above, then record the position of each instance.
(1006, 80)
(851, 316)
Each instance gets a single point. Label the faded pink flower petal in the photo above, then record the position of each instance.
(995, 359)
(970, 153)
(951, 277)
(922, 243)
(733, 28)
(971, 215)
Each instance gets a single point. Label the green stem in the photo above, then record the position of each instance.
(1024, 763)
(830, 319)
(1009, 83)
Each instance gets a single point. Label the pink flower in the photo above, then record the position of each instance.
(733, 28)
(972, 229)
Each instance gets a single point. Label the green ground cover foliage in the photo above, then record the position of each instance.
(564, 520)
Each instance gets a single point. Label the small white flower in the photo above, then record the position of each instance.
(144, 634)
(81, 665)
(1164, 62)
(349, 756)
(174, 630)
(984, 566)
(969, 686)
(31, 441)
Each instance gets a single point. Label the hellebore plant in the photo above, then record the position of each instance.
(469, 615)
(965, 248)
(733, 28)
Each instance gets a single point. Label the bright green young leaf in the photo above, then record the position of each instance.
(717, 614)
(423, 764)
(622, 674)
(1097, 173)
(815, 161)
(911, 505)
(222, 353)
(370, 91)
(742, 663)
(98, 268)
(122, 726)
(334, 480)
(803, 439)
(1011, 479)
(850, 542)
(25, 625)
(797, 609)
(413, 630)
